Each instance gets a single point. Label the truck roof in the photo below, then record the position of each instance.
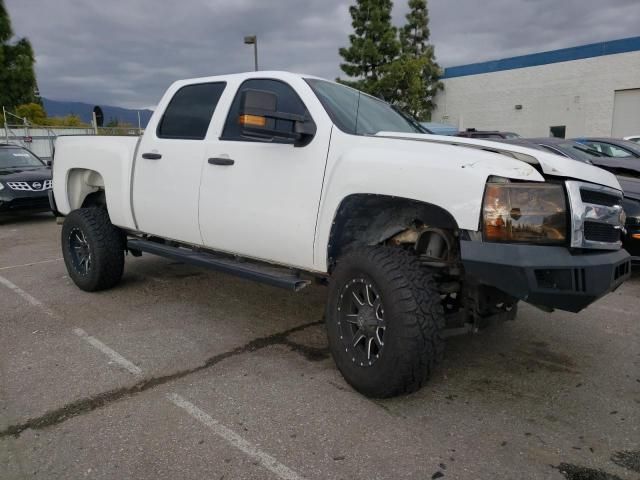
(282, 75)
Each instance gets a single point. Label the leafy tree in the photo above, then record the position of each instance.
(33, 112)
(403, 85)
(70, 120)
(416, 72)
(398, 66)
(17, 78)
(373, 45)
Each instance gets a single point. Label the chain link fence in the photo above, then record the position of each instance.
(41, 139)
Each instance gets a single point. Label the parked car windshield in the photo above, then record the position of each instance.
(18, 157)
(358, 113)
(575, 150)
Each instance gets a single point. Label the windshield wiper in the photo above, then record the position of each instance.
(410, 119)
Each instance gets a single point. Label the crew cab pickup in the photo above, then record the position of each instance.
(285, 178)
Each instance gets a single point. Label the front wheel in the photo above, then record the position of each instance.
(93, 249)
(384, 321)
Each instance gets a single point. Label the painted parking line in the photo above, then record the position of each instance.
(31, 264)
(109, 352)
(30, 299)
(266, 460)
(105, 349)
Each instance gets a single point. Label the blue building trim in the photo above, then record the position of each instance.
(544, 58)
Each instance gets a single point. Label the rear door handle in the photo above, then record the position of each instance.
(221, 161)
(151, 156)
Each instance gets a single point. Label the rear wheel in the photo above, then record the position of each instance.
(384, 321)
(93, 249)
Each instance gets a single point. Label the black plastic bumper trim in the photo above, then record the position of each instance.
(543, 275)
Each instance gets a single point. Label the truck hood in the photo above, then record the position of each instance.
(550, 164)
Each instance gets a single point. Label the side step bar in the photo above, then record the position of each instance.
(271, 275)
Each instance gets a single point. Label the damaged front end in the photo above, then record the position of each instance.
(468, 305)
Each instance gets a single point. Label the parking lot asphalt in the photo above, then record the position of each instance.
(185, 373)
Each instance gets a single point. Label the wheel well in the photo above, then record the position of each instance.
(366, 219)
(85, 187)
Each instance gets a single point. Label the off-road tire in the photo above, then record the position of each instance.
(414, 320)
(106, 244)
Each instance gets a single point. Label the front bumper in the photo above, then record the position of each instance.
(544, 275)
(23, 202)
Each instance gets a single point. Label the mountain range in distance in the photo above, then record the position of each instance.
(58, 108)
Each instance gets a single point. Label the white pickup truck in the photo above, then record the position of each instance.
(283, 178)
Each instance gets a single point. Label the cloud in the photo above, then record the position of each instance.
(126, 53)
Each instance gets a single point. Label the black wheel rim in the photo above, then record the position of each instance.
(361, 321)
(80, 251)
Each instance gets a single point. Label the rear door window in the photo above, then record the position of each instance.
(190, 110)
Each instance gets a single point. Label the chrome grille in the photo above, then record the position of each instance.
(35, 186)
(601, 232)
(599, 198)
(597, 218)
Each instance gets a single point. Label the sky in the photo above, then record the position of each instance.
(127, 52)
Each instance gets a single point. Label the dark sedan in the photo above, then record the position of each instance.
(24, 181)
(560, 146)
(612, 147)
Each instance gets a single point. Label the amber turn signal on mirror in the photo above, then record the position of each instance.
(252, 121)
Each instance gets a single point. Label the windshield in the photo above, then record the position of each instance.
(358, 113)
(575, 150)
(18, 157)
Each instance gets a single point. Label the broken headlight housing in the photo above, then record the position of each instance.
(524, 212)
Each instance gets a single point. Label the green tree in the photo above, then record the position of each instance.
(70, 120)
(416, 72)
(33, 112)
(373, 45)
(17, 77)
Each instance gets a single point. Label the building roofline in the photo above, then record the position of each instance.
(612, 47)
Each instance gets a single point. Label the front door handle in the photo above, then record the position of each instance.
(221, 161)
(151, 156)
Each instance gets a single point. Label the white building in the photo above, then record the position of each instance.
(591, 90)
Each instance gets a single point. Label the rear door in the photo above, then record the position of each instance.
(168, 165)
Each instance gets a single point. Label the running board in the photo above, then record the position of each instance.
(271, 275)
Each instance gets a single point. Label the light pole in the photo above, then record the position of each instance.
(253, 40)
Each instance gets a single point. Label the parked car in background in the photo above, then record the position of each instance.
(633, 138)
(612, 147)
(24, 181)
(440, 128)
(560, 146)
(488, 134)
(631, 205)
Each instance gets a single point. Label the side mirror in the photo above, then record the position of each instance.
(260, 118)
(48, 163)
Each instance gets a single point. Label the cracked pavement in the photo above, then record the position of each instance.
(546, 396)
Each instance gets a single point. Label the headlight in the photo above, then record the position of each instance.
(524, 213)
(1, 186)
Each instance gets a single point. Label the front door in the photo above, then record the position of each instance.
(259, 195)
(169, 165)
